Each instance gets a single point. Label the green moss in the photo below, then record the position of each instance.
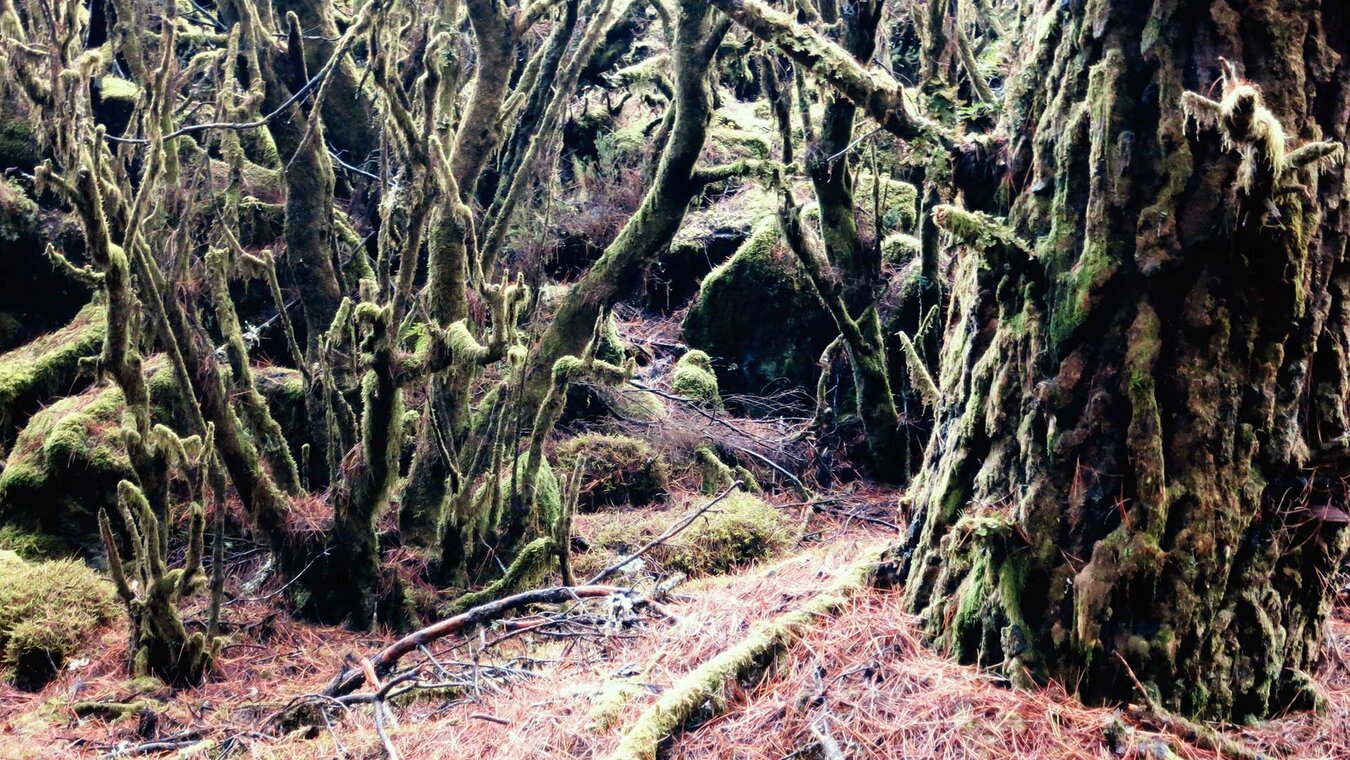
(113, 88)
(743, 528)
(899, 248)
(67, 460)
(18, 212)
(899, 202)
(608, 701)
(529, 566)
(739, 143)
(759, 314)
(18, 146)
(46, 608)
(693, 378)
(618, 469)
(612, 348)
(36, 372)
(30, 544)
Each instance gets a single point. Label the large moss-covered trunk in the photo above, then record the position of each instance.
(1135, 458)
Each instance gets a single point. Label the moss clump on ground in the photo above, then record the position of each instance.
(30, 544)
(67, 460)
(65, 466)
(18, 146)
(719, 476)
(617, 469)
(46, 608)
(743, 528)
(693, 378)
(38, 371)
(758, 313)
(899, 202)
(899, 248)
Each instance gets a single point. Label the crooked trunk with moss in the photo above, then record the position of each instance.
(1134, 458)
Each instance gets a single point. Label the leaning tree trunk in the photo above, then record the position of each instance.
(1143, 408)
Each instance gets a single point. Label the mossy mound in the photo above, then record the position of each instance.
(30, 544)
(18, 146)
(759, 315)
(693, 378)
(67, 460)
(46, 608)
(899, 202)
(18, 212)
(65, 466)
(47, 367)
(899, 248)
(710, 235)
(743, 528)
(617, 469)
(284, 390)
(740, 529)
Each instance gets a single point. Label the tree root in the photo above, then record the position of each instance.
(526, 567)
(766, 640)
(1183, 728)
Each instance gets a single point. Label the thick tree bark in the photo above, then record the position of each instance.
(1121, 470)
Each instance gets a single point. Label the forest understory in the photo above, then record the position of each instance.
(675, 378)
(856, 682)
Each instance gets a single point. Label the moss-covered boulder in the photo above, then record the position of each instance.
(616, 470)
(693, 378)
(65, 466)
(898, 248)
(711, 234)
(45, 368)
(759, 317)
(46, 609)
(67, 460)
(899, 202)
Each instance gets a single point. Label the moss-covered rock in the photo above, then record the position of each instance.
(284, 390)
(710, 235)
(693, 378)
(617, 469)
(46, 608)
(65, 466)
(18, 146)
(18, 212)
(38, 371)
(899, 202)
(743, 528)
(899, 248)
(761, 318)
(67, 460)
(30, 544)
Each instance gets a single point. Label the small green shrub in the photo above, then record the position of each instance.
(46, 608)
(618, 469)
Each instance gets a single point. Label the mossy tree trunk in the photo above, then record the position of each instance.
(858, 264)
(1136, 454)
(677, 181)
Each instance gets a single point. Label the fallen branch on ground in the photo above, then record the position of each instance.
(765, 641)
(384, 662)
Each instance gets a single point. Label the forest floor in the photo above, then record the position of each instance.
(859, 680)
